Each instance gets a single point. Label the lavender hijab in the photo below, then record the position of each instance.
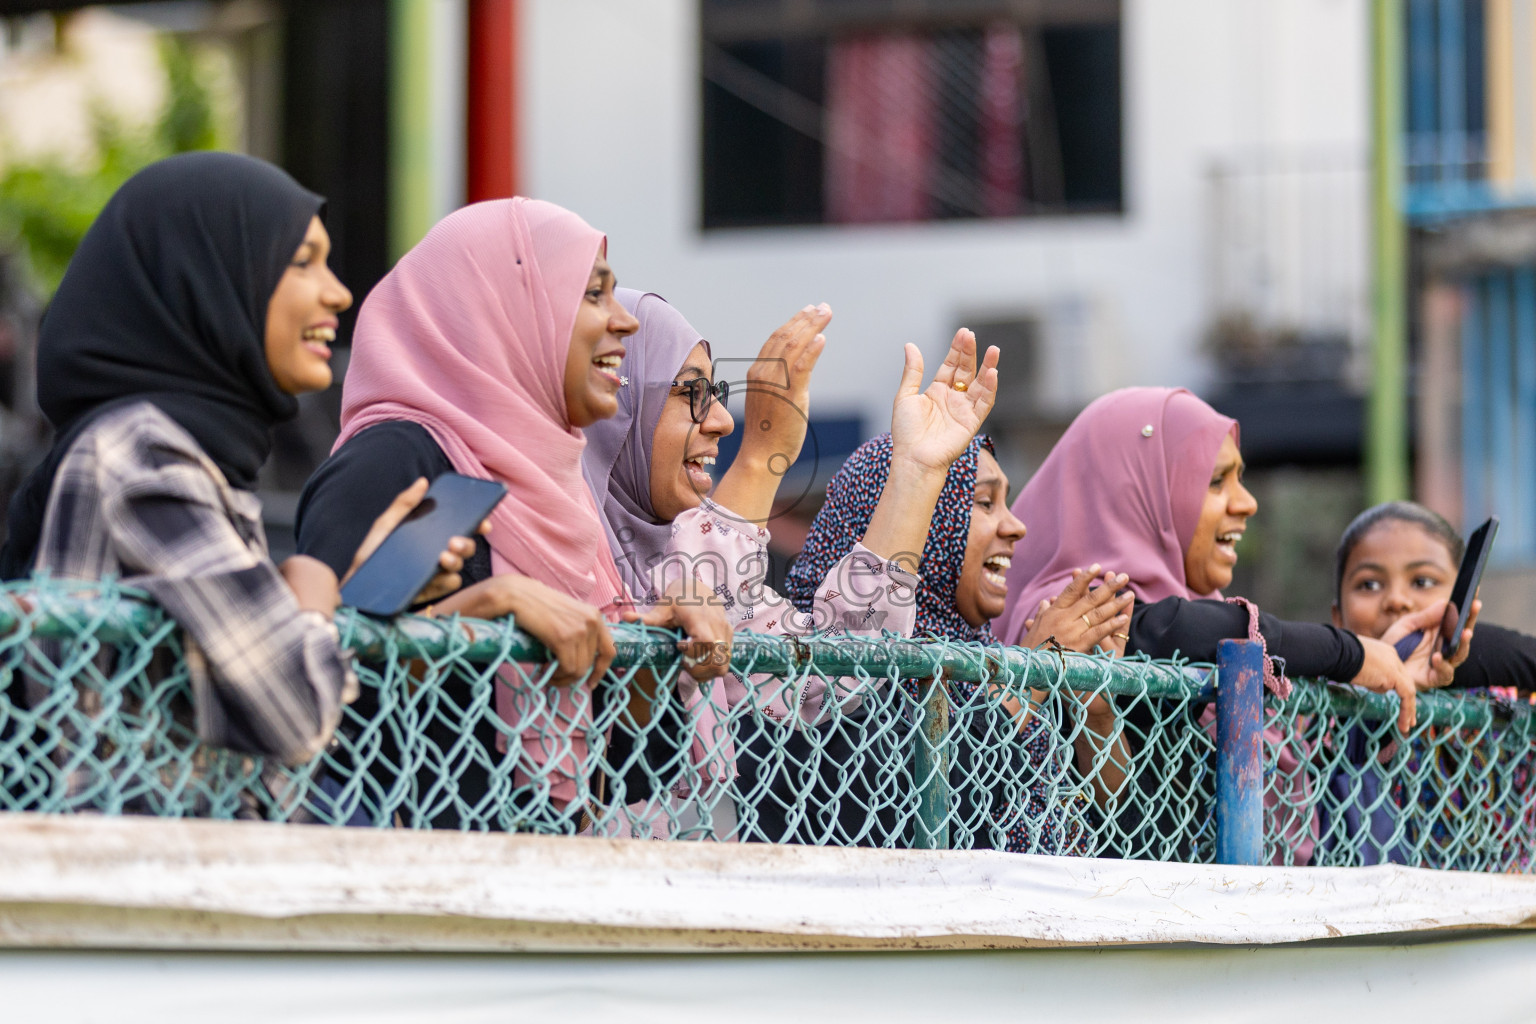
(1123, 487)
(617, 460)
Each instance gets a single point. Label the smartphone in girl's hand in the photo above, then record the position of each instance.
(388, 582)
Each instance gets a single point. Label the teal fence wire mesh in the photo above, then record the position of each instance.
(921, 745)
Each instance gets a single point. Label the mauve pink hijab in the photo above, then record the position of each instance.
(1113, 492)
(468, 336)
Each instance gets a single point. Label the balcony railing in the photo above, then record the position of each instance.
(917, 750)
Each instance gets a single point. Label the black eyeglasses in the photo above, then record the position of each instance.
(702, 394)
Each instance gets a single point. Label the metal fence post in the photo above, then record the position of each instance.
(1239, 752)
(930, 769)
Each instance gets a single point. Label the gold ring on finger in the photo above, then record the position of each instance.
(1086, 622)
(960, 385)
(1122, 636)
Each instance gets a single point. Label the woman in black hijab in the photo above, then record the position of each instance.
(197, 306)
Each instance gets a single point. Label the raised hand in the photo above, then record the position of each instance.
(776, 415)
(778, 398)
(931, 427)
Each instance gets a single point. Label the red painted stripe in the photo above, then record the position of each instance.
(491, 163)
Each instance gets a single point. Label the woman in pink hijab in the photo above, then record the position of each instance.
(486, 350)
(1149, 480)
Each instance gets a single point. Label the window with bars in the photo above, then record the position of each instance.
(871, 111)
(1498, 407)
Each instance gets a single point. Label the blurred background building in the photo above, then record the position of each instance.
(1115, 192)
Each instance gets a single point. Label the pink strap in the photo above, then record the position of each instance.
(1277, 683)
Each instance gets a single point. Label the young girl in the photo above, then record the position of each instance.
(198, 305)
(1394, 560)
(1400, 558)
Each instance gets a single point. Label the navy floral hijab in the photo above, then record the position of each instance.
(851, 498)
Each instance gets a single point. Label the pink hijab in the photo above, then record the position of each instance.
(1123, 487)
(468, 336)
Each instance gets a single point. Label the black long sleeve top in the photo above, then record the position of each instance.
(1191, 629)
(1498, 657)
(356, 484)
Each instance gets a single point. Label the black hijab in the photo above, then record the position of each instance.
(165, 302)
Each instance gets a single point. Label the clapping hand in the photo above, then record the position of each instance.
(931, 427)
(1081, 618)
(1084, 616)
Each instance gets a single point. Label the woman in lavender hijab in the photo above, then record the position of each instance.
(649, 468)
(617, 460)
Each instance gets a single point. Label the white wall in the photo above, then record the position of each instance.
(610, 128)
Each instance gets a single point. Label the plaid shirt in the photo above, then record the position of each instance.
(136, 498)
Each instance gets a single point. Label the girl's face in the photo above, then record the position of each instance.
(1212, 552)
(592, 364)
(682, 451)
(983, 590)
(301, 316)
(1396, 568)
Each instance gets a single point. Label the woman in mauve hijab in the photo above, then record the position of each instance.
(1150, 480)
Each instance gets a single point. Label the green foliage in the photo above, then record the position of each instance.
(187, 123)
(46, 206)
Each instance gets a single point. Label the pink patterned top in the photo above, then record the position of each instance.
(864, 595)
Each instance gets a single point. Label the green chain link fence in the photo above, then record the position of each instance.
(1116, 757)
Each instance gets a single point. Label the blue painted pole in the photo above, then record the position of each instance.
(1239, 752)
(1422, 116)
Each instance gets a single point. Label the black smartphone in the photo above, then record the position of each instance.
(454, 506)
(1462, 594)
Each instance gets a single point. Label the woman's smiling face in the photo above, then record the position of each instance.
(301, 316)
(982, 592)
(1396, 568)
(592, 364)
(683, 452)
(1212, 552)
